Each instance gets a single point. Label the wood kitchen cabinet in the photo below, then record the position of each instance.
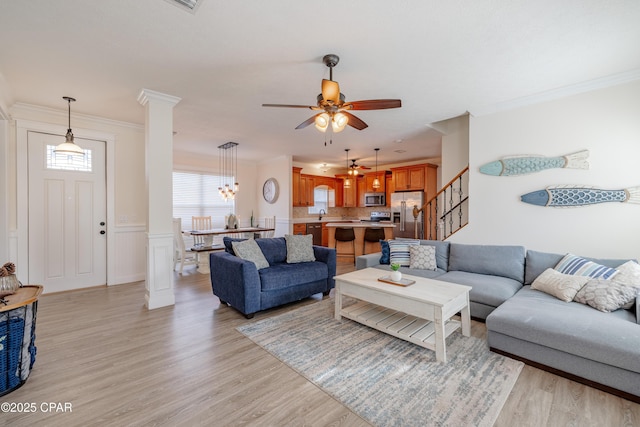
(360, 190)
(389, 189)
(408, 178)
(299, 228)
(303, 186)
(325, 234)
(370, 177)
(349, 195)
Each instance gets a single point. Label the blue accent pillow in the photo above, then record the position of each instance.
(573, 264)
(386, 253)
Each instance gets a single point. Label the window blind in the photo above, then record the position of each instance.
(196, 194)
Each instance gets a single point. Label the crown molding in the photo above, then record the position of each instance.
(24, 111)
(550, 95)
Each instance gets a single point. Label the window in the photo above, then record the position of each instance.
(196, 194)
(324, 197)
(68, 162)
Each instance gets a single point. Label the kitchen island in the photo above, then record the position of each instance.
(358, 231)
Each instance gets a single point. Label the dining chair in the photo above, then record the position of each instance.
(201, 223)
(181, 254)
(269, 222)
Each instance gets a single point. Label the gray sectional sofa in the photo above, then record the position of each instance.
(568, 338)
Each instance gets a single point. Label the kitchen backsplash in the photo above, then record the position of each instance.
(303, 212)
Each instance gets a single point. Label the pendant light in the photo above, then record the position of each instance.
(69, 147)
(228, 163)
(376, 181)
(347, 181)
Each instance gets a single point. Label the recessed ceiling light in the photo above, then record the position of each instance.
(398, 141)
(399, 151)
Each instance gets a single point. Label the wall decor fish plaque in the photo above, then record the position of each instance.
(564, 196)
(523, 165)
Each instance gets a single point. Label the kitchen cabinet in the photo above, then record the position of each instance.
(389, 189)
(370, 177)
(296, 186)
(325, 234)
(303, 186)
(349, 195)
(307, 185)
(299, 228)
(360, 190)
(408, 178)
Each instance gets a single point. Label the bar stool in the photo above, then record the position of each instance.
(343, 234)
(372, 235)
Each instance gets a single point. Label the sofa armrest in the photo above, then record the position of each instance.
(235, 281)
(327, 256)
(368, 260)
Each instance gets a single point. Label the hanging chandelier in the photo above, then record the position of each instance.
(228, 164)
(69, 147)
(376, 181)
(347, 181)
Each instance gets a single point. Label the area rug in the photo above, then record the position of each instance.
(387, 381)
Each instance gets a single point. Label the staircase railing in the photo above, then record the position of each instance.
(447, 211)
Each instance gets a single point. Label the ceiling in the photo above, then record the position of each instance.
(442, 58)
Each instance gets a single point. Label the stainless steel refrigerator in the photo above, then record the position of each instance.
(402, 213)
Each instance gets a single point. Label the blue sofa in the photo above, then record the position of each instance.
(240, 284)
(567, 338)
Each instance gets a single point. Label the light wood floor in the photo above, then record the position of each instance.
(118, 364)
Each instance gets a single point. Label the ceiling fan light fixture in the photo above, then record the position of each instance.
(322, 122)
(339, 122)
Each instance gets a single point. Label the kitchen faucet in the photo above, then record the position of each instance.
(322, 211)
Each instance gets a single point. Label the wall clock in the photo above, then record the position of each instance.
(270, 190)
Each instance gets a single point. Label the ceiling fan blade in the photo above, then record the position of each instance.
(311, 107)
(330, 91)
(355, 122)
(373, 104)
(307, 122)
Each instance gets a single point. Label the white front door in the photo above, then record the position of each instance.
(67, 215)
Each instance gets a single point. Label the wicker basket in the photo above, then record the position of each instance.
(17, 346)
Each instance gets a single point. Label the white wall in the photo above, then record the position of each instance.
(606, 122)
(455, 147)
(280, 169)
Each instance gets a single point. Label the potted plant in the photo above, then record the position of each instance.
(396, 275)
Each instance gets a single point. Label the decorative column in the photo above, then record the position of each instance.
(159, 168)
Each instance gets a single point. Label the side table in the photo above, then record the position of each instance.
(17, 337)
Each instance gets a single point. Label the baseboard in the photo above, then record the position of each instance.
(572, 377)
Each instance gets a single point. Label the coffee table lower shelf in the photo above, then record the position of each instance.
(398, 324)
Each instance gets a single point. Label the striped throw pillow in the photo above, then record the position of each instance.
(578, 266)
(399, 251)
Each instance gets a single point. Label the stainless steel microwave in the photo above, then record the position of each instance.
(374, 199)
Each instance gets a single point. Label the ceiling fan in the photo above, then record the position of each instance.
(334, 109)
(354, 167)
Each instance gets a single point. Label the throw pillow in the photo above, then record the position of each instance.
(606, 295)
(299, 248)
(573, 264)
(422, 257)
(384, 249)
(560, 285)
(399, 251)
(629, 274)
(249, 250)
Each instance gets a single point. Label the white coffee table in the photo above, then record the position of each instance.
(420, 313)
